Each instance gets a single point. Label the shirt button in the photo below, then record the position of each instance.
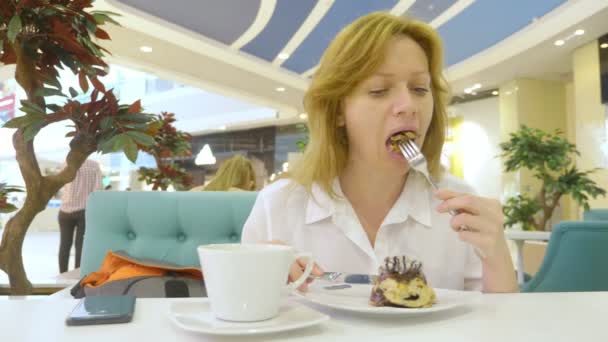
(131, 235)
(234, 237)
(181, 237)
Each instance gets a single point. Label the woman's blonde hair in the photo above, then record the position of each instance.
(353, 56)
(236, 172)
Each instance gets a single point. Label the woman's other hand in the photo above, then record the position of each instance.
(483, 219)
(297, 268)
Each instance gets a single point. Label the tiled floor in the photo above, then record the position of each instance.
(40, 251)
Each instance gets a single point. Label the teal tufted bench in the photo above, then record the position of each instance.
(575, 259)
(166, 226)
(595, 215)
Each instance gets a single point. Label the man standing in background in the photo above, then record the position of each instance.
(71, 213)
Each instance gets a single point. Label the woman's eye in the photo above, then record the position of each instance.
(378, 92)
(421, 90)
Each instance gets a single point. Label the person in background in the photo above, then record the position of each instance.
(71, 213)
(235, 174)
(351, 200)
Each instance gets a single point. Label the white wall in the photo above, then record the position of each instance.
(480, 138)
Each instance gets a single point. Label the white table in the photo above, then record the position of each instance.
(520, 237)
(534, 317)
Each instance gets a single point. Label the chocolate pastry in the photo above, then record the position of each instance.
(401, 283)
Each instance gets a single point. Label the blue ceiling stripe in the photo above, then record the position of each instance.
(427, 10)
(342, 13)
(206, 17)
(487, 22)
(287, 18)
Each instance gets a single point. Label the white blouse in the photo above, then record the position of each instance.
(331, 230)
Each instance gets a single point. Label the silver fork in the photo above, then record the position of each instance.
(417, 161)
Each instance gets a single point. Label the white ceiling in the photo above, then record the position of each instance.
(185, 57)
(532, 53)
(192, 59)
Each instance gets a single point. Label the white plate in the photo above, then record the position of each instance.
(197, 316)
(356, 299)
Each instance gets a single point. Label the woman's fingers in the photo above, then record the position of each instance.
(316, 269)
(300, 264)
(295, 272)
(470, 222)
(482, 217)
(457, 201)
(297, 268)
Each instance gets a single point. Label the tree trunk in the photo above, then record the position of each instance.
(547, 209)
(39, 189)
(11, 260)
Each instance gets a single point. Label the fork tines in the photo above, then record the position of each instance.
(409, 149)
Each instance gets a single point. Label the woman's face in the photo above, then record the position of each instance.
(396, 98)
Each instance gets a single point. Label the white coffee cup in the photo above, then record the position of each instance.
(246, 282)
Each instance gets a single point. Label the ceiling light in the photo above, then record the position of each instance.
(604, 46)
(477, 86)
(283, 55)
(303, 116)
(280, 89)
(205, 156)
(559, 42)
(579, 32)
(468, 91)
(495, 92)
(145, 49)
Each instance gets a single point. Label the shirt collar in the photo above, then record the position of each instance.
(320, 205)
(415, 201)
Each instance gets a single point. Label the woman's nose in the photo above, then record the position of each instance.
(404, 103)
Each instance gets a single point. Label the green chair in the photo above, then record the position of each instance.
(166, 226)
(596, 215)
(576, 259)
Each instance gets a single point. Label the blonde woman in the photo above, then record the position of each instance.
(235, 174)
(351, 200)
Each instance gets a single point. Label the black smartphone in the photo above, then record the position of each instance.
(102, 310)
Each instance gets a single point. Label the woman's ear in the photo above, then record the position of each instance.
(341, 122)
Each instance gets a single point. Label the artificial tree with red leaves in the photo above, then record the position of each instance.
(169, 144)
(5, 206)
(40, 37)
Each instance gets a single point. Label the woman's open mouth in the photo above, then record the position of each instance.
(400, 137)
(392, 143)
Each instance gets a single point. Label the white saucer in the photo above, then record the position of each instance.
(356, 299)
(197, 316)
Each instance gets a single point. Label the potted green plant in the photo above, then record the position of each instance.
(39, 37)
(550, 157)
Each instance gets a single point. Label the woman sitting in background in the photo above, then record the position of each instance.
(235, 174)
